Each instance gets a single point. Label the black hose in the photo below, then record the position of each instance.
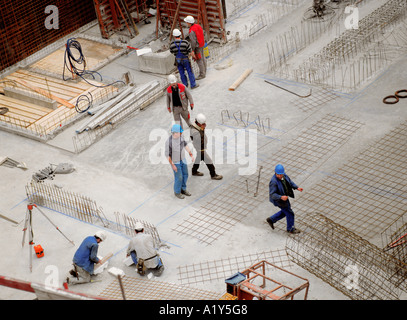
(77, 65)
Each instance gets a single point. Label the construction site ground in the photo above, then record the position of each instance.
(118, 172)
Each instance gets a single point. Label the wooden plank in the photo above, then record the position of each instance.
(19, 112)
(240, 79)
(61, 93)
(81, 85)
(24, 105)
(46, 94)
(11, 115)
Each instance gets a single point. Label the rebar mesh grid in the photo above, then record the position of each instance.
(347, 262)
(365, 195)
(316, 100)
(394, 238)
(224, 268)
(143, 289)
(235, 202)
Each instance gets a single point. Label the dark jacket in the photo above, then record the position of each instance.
(276, 190)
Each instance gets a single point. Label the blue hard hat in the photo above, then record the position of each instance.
(279, 169)
(176, 128)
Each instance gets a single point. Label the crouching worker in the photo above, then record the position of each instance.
(85, 259)
(142, 251)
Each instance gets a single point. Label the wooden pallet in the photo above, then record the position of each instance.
(31, 116)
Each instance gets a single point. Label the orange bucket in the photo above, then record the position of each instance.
(39, 251)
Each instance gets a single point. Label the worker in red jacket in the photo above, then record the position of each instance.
(197, 41)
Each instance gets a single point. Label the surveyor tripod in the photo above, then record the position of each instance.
(28, 228)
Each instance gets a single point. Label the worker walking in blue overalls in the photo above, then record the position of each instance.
(181, 50)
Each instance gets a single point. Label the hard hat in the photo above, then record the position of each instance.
(189, 19)
(176, 33)
(101, 235)
(139, 226)
(279, 169)
(172, 79)
(176, 128)
(200, 118)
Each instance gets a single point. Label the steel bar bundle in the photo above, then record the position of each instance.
(347, 262)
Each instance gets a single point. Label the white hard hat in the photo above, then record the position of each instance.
(139, 226)
(101, 235)
(176, 33)
(200, 118)
(172, 79)
(189, 19)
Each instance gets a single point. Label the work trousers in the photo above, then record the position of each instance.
(180, 177)
(179, 112)
(201, 62)
(285, 212)
(203, 156)
(83, 275)
(133, 255)
(184, 65)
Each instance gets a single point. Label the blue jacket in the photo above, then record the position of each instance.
(276, 189)
(86, 255)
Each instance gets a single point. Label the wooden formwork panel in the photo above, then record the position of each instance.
(208, 13)
(31, 116)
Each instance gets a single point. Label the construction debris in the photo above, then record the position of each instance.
(50, 171)
(8, 162)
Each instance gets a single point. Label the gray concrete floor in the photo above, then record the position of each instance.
(117, 171)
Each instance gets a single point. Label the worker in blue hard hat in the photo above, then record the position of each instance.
(175, 148)
(280, 189)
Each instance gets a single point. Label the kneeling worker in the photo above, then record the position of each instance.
(142, 251)
(85, 259)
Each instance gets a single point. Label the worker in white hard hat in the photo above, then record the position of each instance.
(178, 98)
(85, 259)
(199, 141)
(197, 41)
(181, 49)
(142, 251)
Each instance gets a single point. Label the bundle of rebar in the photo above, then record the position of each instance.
(347, 262)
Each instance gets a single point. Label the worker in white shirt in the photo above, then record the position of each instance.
(142, 251)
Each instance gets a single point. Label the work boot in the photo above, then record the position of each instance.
(270, 223)
(217, 177)
(196, 86)
(179, 195)
(199, 77)
(199, 174)
(185, 192)
(294, 231)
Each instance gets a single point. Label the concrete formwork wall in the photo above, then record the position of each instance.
(23, 29)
